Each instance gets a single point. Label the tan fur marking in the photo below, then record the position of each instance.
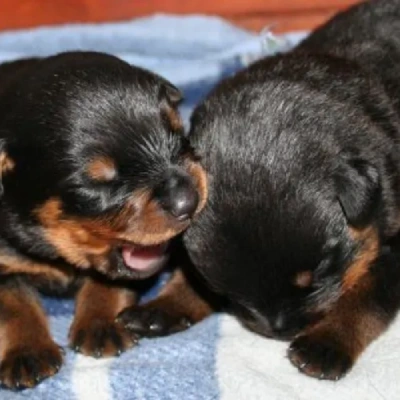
(351, 322)
(19, 265)
(102, 169)
(81, 240)
(140, 222)
(24, 330)
(369, 247)
(174, 119)
(179, 299)
(73, 241)
(200, 178)
(97, 306)
(303, 279)
(6, 164)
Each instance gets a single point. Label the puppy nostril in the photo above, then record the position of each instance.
(178, 196)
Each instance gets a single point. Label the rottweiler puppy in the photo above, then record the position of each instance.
(302, 152)
(96, 178)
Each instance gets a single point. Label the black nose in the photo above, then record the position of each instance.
(178, 196)
(285, 326)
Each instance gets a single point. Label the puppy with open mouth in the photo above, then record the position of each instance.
(96, 179)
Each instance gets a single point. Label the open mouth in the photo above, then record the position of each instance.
(144, 262)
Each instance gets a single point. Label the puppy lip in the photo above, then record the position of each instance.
(144, 261)
(132, 274)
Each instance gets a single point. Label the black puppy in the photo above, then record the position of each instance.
(96, 178)
(302, 153)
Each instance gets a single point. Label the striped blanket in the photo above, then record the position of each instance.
(216, 359)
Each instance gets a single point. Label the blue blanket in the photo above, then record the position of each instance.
(217, 359)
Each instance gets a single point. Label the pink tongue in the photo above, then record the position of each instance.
(143, 258)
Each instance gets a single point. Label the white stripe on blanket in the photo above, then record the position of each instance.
(90, 378)
(251, 367)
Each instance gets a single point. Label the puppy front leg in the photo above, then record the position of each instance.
(329, 349)
(175, 309)
(94, 331)
(28, 354)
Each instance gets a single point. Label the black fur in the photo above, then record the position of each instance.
(302, 150)
(93, 162)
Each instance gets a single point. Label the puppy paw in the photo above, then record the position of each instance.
(25, 367)
(151, 322)
(99, 338)
(320, 357)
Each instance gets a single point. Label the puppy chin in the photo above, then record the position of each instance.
(266, 331)
(282, 328)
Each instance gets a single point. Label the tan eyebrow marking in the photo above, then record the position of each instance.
(102, 169)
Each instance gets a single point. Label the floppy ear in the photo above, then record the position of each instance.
(358, 189)
(170, 92)
(170, 97)
(6, 164)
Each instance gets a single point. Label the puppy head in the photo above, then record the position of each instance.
(96, 164)
(295, 198)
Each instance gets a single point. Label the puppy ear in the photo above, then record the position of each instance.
(6, 164)
(171, 93)
(358, 188)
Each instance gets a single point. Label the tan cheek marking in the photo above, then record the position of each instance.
(149, 225)
(369, 242)
(200, 178)
(303, 279)
(102, 169)
(6, 164)
(69, 237)
(84, 241)
(141, 221)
